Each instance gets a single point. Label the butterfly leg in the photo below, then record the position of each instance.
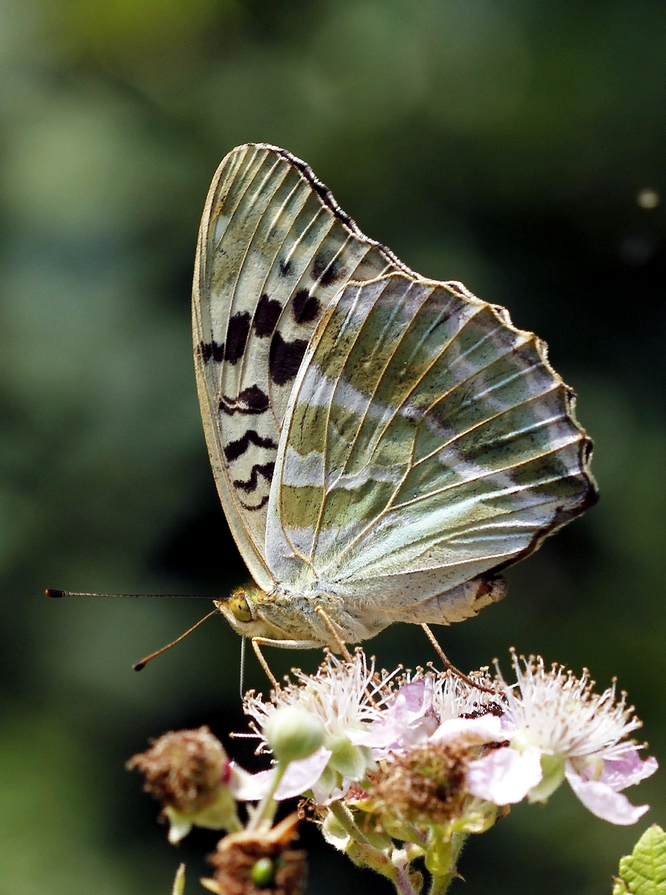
(258, 642)
(262, 661)
(335, 634)
(442, 655)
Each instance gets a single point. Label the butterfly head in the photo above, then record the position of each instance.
(241, 610)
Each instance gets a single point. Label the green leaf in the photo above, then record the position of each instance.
(643, 872)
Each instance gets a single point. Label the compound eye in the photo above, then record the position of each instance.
(240, 608)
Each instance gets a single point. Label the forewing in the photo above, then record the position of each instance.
(274, 248)
(426, 437)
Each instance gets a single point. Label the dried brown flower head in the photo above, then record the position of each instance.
(426, 785)
(259, 862)
(183, 769)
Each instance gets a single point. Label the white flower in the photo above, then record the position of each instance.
(346, 697)
(564, 730)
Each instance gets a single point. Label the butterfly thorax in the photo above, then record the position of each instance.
(293, 617)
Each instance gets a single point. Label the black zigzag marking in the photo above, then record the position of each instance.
(266, 470)
(251, 400)
(236, 448)
(248, 506)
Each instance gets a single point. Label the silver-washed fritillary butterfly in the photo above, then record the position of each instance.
(384, 445)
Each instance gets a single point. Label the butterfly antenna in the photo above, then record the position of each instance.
(264, 664)
(442, 655)
(56, 594)
(142, 664)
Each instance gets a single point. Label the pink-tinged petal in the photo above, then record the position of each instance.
(627, 769)
(302, 775)
(603, 801)
(409, 719)
(505, 776)
(369, 736)
(507, 727)
(248, 787)
(323, 797)
(486, 729)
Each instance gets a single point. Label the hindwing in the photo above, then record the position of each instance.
(427, 441)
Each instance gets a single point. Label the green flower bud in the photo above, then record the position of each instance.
(292, 733)
(334, 833)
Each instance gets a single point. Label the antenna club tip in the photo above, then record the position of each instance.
(54, 593)
(138, 666)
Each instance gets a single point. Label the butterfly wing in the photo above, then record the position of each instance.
(428, 441)
(274, 249)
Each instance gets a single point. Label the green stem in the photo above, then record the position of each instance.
(265, 811)
(439, 884)
(366, 853)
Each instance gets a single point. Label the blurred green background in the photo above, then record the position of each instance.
(505, 143)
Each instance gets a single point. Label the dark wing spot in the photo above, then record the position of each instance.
(235, 448)
(266, 470)
(305, 307)
(320, 264)
(333, 272)
(250, 401)
(211, 351)
(284, 266)
(237, 333)
(285, 358)
(266, 316)
(326, 269)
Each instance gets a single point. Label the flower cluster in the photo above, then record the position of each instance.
(398, 767)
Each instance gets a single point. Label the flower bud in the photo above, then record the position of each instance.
(293, 734)
(263, 872)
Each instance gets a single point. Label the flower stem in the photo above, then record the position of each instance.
(265, 812)
(395, 868)
(439, 883)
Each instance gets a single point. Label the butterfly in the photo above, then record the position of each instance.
(383, 444)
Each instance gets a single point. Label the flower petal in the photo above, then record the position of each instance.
(486, 729)
(248, 787)
(302, 775)
(603, 801)
(409, 719)
(505, 776)
(627, 769)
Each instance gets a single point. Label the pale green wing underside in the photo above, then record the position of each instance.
(274, 249)
(427, 441)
